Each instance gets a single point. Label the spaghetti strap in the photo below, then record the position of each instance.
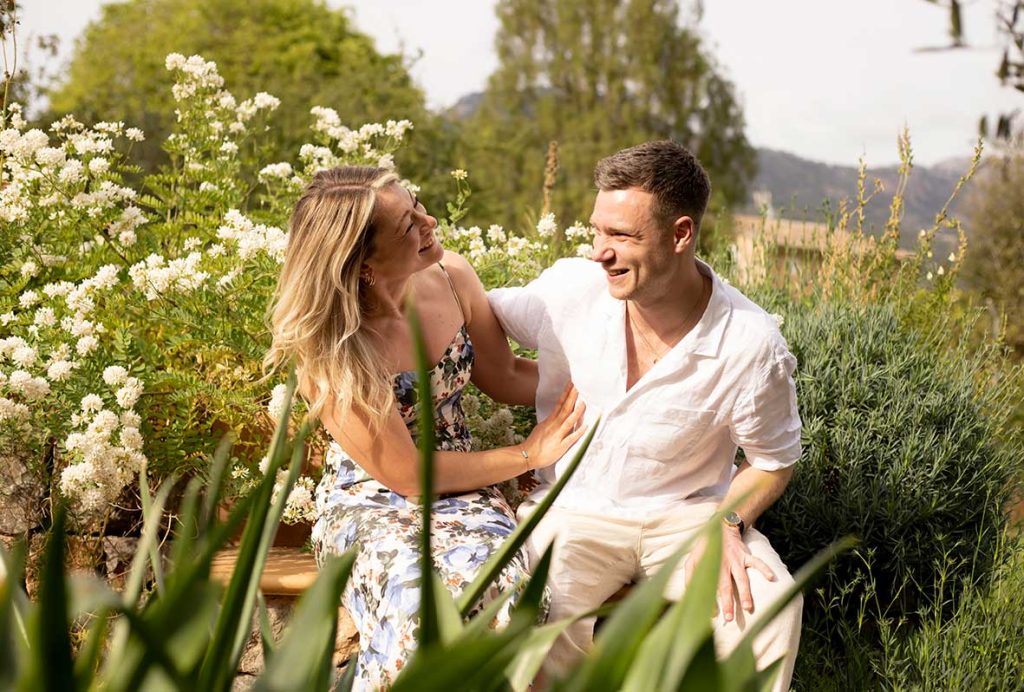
(454, 292)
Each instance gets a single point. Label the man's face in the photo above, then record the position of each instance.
(637, 252)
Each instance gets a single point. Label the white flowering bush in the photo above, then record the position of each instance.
(133, 308)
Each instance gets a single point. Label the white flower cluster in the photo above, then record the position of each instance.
(198, 74)
(547, 226)
(251, 238)
(495, 430)
(371, 144)
(275, 407)
(498, 247)
(300, 505)
(198, 89)
(42, 174)
(155, 276)
(14, 412)
(105, 447)
(281, 170)
(123, 228)
(20, 383)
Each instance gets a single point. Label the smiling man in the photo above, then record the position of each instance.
(684, 370)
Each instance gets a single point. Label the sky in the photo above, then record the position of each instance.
(828, 80)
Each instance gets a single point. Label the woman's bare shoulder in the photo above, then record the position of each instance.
(457, 265)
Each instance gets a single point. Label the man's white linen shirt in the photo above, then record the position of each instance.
(673, 436)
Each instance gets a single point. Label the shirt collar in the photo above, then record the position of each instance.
(709, 332)
(705, 338)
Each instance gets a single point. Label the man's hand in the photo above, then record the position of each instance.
(733, 582)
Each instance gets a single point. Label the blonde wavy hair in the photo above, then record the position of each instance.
(319, 303)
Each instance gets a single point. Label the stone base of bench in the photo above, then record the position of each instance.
(287, 573)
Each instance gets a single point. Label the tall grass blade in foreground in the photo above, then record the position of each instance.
(429, 630)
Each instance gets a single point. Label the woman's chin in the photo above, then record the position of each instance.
(433, 254)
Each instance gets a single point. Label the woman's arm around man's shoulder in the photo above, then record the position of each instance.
(497, 371)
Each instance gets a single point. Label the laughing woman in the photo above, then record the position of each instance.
(359, 246)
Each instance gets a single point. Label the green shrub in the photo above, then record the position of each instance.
(979, 648)
(903, 448)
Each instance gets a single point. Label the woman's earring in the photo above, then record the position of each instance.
(368, 278)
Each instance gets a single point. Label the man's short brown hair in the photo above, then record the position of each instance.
(664, 168)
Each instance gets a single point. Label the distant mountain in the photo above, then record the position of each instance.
(799, 189)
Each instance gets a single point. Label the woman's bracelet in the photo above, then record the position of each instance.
(526, 458)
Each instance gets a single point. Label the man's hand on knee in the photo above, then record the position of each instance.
(733, 581)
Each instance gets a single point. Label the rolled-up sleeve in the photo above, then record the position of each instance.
(766, 422)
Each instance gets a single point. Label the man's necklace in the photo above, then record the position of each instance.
(658, 354)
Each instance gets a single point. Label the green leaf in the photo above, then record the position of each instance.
(13, 629)
(766, 678)
(348, 677)
(233, 624)
(667, 651)
(137, 573)
(429, 629)
(304, 660)
(88, 659)
(449, 622)
(466, 664)
(624, 632)
(187, 532)
(480, 623)
(215, 485)
(531, 654)
(705, 671)
(534, 590)
(803, 576)
(9, 637)
(266, 631)
(497, 562)
(52, 640)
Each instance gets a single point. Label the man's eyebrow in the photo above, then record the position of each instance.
(612, 229)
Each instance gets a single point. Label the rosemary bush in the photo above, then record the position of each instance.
(905, 448)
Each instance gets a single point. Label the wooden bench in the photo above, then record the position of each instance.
(288, 571)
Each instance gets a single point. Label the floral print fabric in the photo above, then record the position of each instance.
(353, 509)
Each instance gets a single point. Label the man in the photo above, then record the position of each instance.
(683, 370)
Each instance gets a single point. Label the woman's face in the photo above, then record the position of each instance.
(404, 242)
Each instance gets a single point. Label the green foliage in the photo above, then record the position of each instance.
(149, 303)
(994, 267)
(186, 633)
(596, 77)
(905, 448)
(978, 648)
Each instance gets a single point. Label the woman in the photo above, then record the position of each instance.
(359, 246)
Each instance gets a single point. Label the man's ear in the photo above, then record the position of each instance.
(684, 233)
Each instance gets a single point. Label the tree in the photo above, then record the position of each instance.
(300, 51)
(994, 264)
(1009, 15)
(596, 76)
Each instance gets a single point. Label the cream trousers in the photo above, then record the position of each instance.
(596, 554)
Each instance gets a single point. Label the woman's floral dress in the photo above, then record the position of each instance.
(382, 595)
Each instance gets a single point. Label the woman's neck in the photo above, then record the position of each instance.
(387, 299)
